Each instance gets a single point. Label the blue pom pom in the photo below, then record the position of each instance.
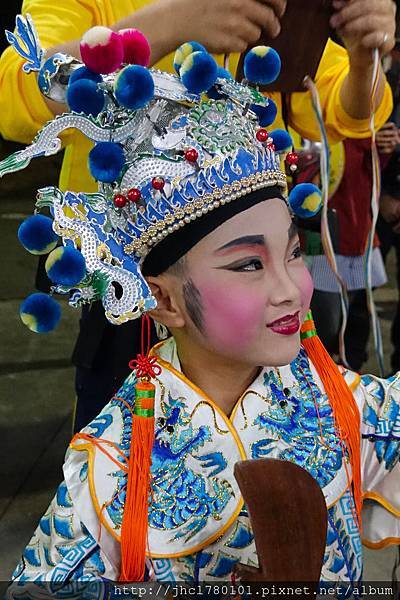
(84, 96)
(281, 140)
(222, 74)
(65, 266)
(106, 161)
(262, 64)
(40, 313)
(305, 200)
(198, 72)
(84, 73)
(36, 234)
(134, 87)
(266, 114)
(183, 52)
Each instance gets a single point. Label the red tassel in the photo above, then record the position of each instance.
(344, 407)
(135, 519)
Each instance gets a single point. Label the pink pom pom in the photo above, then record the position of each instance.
(136, 47)
(102, 50)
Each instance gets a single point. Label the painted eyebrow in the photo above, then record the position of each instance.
(246, 240)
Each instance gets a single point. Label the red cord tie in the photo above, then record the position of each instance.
(145, 366)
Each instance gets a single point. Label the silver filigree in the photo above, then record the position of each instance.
(170, 87)
(54, 76)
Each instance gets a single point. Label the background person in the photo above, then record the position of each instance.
(351, 203)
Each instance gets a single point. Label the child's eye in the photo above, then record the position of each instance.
(253, 264)
(296, 253)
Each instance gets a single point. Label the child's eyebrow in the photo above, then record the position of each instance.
(246, 240)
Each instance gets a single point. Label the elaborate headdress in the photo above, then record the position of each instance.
(169, 149)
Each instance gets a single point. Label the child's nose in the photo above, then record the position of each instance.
(283, 289)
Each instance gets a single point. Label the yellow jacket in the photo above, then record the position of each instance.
(23, 111)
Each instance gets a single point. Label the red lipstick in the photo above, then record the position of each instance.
(287, 325)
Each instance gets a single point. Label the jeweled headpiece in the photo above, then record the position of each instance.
(168, 149)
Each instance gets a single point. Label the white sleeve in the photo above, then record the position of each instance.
(61, 558)
(379, 402)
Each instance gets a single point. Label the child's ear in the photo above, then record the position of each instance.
(168, 310)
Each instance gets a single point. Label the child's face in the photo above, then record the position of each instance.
(246, 289)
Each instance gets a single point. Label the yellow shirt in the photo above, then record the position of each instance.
(23, 110)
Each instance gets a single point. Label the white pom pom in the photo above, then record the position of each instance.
(97, 36)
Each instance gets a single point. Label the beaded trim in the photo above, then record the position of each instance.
(190, 212)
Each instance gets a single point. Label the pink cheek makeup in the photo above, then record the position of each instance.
(231, 319)
(306, 287)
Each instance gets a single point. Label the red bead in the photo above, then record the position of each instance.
(271, 147)
(191, 155)
(134, 195)
(292, 158)
(262, 135)
(158, 183)
(120, 200)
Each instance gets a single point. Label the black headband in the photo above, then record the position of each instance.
(177, 244)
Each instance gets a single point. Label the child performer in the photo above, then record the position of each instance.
(191, 226)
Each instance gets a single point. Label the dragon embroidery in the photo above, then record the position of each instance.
(293, 423)
(184, 497)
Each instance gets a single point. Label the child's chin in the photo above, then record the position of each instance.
(284, 353)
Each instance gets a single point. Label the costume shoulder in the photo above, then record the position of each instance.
(96, 468)
(379, 401)
(78, 535)
(379, 404)
(352, 379)
(77, 539)
(62, 557)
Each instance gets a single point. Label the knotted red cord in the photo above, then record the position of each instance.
(143, 364)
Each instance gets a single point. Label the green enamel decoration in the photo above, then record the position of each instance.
(219, 129)
(13, 163)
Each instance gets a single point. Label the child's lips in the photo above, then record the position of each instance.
(287, 325)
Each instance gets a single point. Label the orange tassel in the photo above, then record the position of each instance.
(135, 519)
(344, 407)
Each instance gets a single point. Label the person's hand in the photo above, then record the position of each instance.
(364, 25)
(387, 138)
(225, 26)
(389, 209)
(222, 26)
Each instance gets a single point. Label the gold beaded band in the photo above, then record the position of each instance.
(202, 205)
